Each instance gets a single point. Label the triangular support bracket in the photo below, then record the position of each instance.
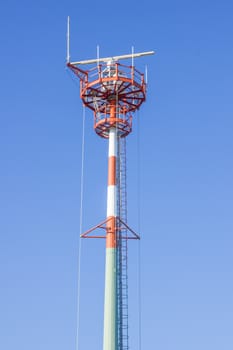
(121, 228)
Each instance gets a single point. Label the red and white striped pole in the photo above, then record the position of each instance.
(110, 304)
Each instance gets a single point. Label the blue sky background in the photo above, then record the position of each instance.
(183, 139)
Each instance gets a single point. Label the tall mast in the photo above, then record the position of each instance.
(110, 304)
(113, 92)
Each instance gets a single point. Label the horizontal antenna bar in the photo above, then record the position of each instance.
(115, 58)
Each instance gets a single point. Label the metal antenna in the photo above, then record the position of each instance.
(146, 74)
(114, 58)
(132, 55)
(68, 40)
(98, 54)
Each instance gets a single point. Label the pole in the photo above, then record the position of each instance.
(110, 304)
(68, 41)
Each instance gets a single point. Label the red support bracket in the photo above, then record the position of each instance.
(120, 226)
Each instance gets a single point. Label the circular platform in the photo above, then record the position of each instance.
(113, 91)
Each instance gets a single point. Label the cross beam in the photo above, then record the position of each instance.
(114, 58)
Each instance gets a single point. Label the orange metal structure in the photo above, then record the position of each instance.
(113, 91)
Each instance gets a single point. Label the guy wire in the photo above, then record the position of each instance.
(80, 229)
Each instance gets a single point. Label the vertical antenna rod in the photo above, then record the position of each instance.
(68, 41)
(132, 49)
(146, 74)
(98, 54)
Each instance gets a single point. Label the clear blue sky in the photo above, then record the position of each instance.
(186, 172)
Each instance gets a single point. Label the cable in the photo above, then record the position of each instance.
(71, 76)
(139, 231)
(80, 229)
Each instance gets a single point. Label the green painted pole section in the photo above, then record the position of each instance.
(110, 313)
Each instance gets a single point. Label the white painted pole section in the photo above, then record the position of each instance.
(110, 303)
(111, 204)
(112, 151)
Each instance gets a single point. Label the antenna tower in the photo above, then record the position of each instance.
(113, 91)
